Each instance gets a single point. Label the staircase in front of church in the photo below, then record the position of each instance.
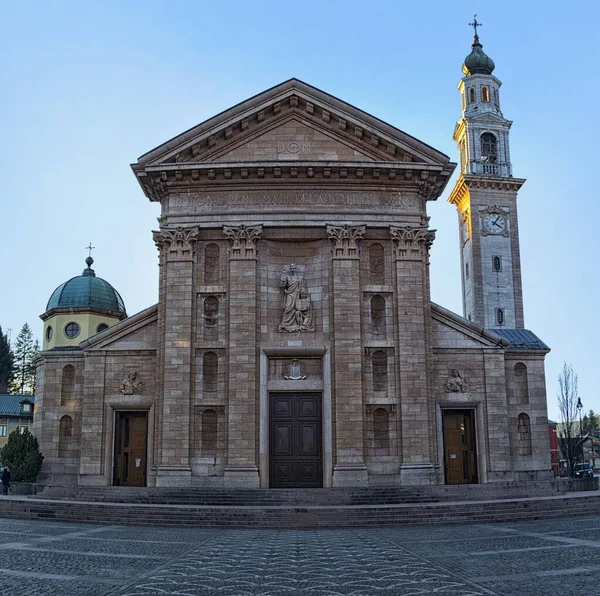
(309, 508)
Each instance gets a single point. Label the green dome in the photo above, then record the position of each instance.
(477, 62)
(86, 291)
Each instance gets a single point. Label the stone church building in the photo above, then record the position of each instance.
(294, 342)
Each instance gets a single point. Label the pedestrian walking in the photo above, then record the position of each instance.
(5, 480)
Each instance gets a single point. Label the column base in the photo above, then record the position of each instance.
(419, 474)
(241, 477)
(350, 475)
(173, 476)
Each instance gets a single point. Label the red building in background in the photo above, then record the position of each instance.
(554, 450)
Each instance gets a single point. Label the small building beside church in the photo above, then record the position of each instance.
(294, 343)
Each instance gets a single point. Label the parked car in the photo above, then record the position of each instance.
(584, 470)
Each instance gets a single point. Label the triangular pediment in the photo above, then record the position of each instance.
(138, 332)
(292, 121)
(295, 139)
(452, 331)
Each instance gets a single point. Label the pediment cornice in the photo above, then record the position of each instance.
(293, 99)
(427, 180)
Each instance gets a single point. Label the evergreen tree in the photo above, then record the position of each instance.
(25, 349)
(22, 456)
(7, 363)
(590, 423)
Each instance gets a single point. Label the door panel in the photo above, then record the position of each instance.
(295, 440)
(131, 430)
(459, 447)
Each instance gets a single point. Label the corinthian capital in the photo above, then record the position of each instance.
(177, 244)
(345, 241)
(243, 240)
(412, 242)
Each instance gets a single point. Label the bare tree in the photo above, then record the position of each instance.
(568, 439)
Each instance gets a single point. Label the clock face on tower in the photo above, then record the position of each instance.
(494, 223)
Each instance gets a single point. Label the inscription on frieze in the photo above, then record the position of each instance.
(198, 201)
(293, 147)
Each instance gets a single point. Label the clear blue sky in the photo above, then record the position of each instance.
(90, 86)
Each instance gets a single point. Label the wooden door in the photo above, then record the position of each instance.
(131, 430)
(459, 447)
(296, 459)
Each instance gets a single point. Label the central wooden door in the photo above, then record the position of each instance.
(295, 453)
(460, 460)
(131, 431)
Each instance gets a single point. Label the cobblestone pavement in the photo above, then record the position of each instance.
(526, 558)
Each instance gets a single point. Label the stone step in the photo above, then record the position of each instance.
(283, 516)
(300, 497)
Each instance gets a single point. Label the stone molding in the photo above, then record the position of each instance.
(346, 241)
(412, 242)
(177, 244)
(243, 241)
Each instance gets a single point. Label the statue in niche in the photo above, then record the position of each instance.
(455, 383)
(131, 385)
(296, 308)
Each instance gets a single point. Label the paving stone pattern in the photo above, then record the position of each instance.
(525, 558)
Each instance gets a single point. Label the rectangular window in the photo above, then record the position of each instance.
(26, 407)
(2, 430)
(22, 429)
(467, 270)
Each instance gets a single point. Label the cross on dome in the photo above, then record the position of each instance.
(475, 24)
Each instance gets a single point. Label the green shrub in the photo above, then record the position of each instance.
(22, 456)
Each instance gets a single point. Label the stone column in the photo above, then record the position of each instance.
(349, 467)
(177, 252)
(242, 468)
(414, 313)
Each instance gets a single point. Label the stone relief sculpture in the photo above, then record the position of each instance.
(296, 372)
(296, 307)
(455, 383)
(132, 385)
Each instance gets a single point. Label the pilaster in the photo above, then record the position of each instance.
(177, 248)
(242, 468)
(412, 246)
(349, 460)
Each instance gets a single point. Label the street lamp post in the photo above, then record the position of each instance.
(580, 407)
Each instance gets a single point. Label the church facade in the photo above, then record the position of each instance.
(294, 343)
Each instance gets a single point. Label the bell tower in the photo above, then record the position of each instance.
(485, 196)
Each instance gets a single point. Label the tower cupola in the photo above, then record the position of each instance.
(478, 62)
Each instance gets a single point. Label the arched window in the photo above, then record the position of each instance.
(496, 263)
(471, 94)
(379, 363)
(499, 316)
(67, 385)
(209, 433)
(521, 384)
(210, 369)
(376, 264)
(485, 94)
(378, 315)
(381, 432)
(523, 435)
(496, 97)
(489, 148)
(65, 436)
(211, 264)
